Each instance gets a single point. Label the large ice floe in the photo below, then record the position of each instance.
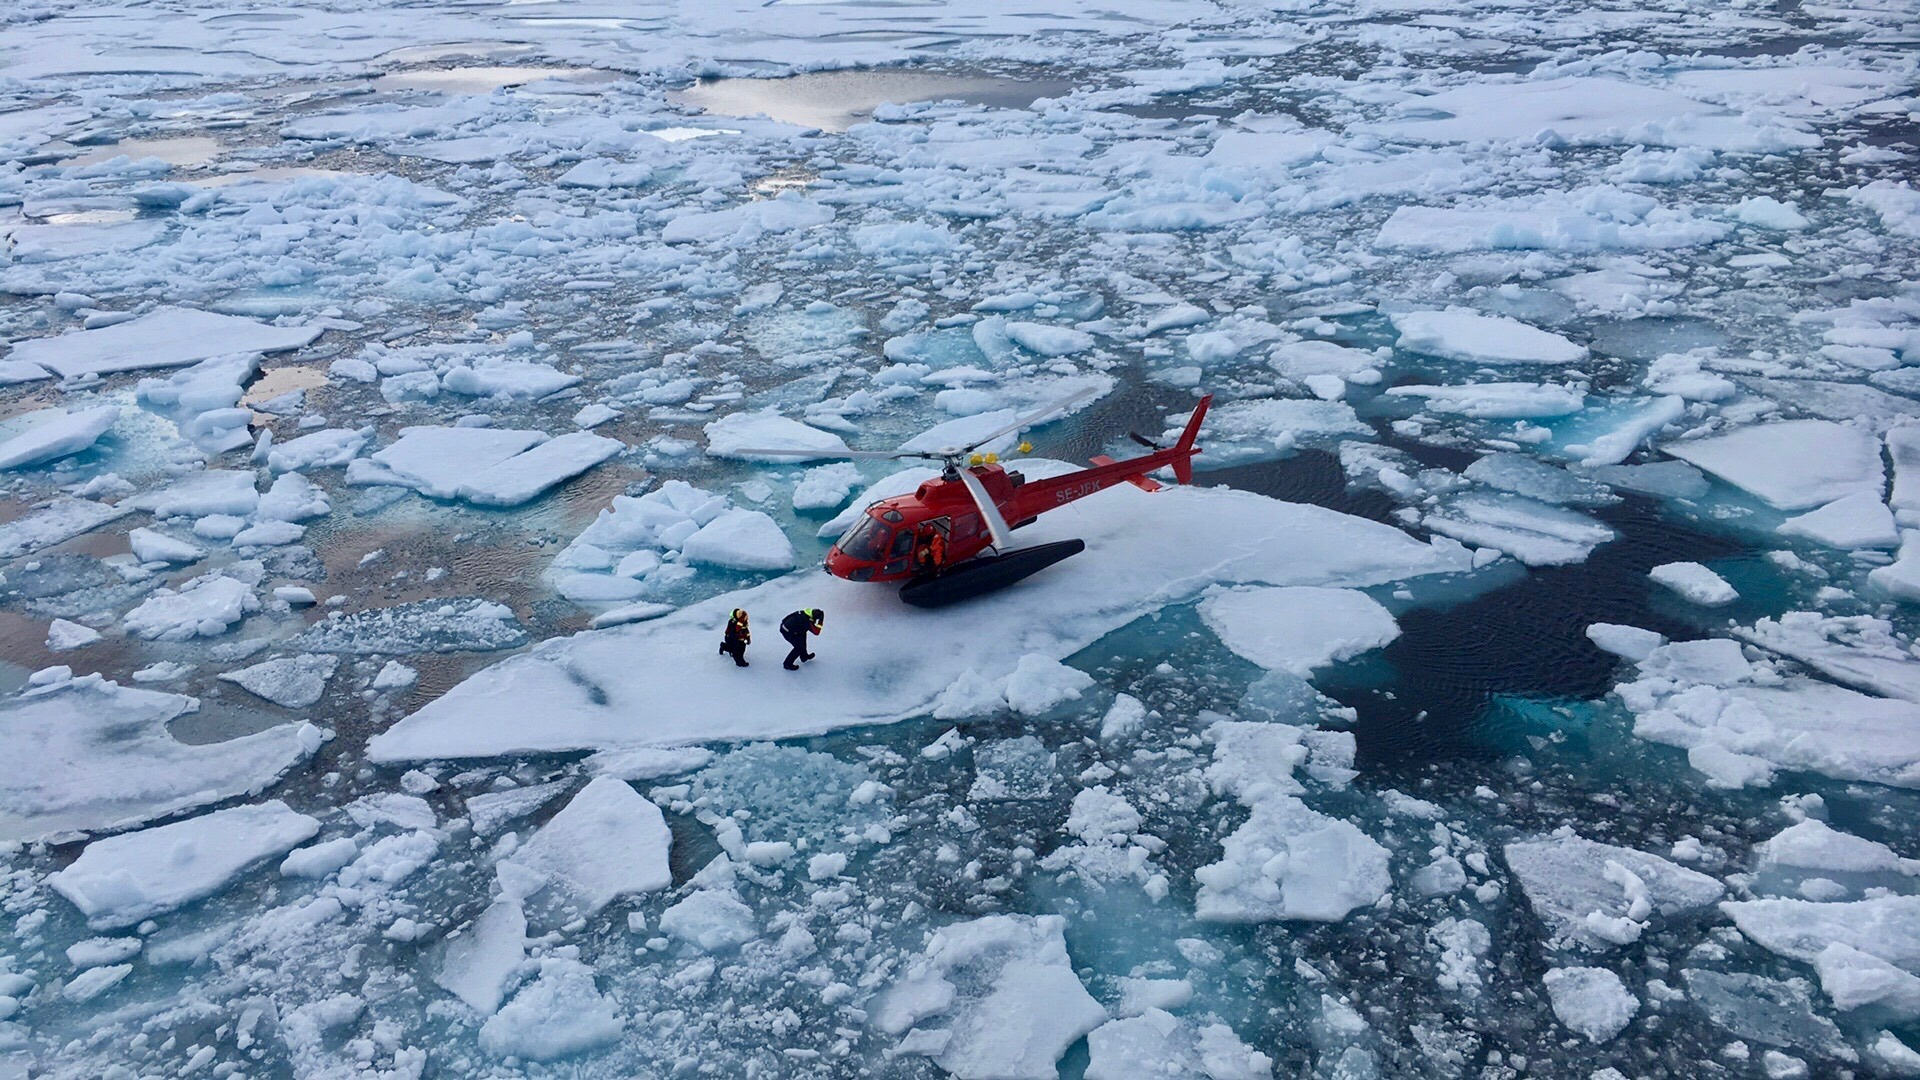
(396, 399)
(603, 688)
(103, 758)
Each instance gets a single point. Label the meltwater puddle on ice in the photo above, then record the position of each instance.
(837, 100)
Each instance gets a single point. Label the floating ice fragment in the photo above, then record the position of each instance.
(204, 607)
(124, 879)
(1591, 1001)
(477, 964)
(293, 682)
(1298, 629)
(168, 337)
(1695, 582)
(1462, 334)
(561, 1013)
(1005, 988)
(1856, 521)
(1568, 880)
(740, 540)
(1157, 1043)
(63, 636)
(729, 436)
(1793, 464)
(55, 433)
(608, 841)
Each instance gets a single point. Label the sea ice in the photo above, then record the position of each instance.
(1004, 988)
(204, 607)
(1597, 895)
(607, 842)
(453, 625)
(1462, 334)
(293, 682)
(477, 964)
(559, 1014)
(1156, 1043)
(61, 520)
(1497, 401)
(1695, 582)
(734, 434)
(1701, 696)
(740, 540)
(1290, 862)
(603, 688)
(124, 879)
(1855, 521)
(1536, 533)
(1591, 1001)
(1300, 628)
(168, 337)
(1793, 464)
(104, 758)
(522, 477)
(63, 636)
(55, 433)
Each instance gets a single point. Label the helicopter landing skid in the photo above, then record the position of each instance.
(977, 577)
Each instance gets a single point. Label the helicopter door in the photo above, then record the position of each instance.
(900, 555)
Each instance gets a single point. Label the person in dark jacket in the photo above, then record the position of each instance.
(795, 628)
(734, 643)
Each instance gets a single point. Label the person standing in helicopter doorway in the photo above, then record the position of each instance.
(734, 642)
(795, 628)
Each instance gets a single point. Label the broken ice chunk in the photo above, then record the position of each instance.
(608, 841)
(1157, 1043)
(204, 607)
(477, 964)
(1005, 988)
(1591, 1001)
(55, 433)
(293, 682)
(1290, 862)
(1793, 464)
(1695, 582)
(124, 879)
(168, 337)
(1299, 628)
(1595, 895)
(105, 758)
(732, 435)
(1462, 334)
(1859, 520)
(559, 1014)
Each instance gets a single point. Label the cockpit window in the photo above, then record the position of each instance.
(867, 540)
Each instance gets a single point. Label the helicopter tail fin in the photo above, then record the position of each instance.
(1185, 448)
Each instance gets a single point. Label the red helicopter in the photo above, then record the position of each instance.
(968, 507)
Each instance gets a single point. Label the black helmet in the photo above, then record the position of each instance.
(819, 617)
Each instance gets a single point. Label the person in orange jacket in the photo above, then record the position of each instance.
(734, 643)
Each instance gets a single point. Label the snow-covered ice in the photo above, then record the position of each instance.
(124, 879)
(104, 758)
(1300, 628)
(995, 997)
(582, 686)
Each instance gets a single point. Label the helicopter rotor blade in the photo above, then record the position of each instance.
(852, 455)
(1030, 419)
(989, 513)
